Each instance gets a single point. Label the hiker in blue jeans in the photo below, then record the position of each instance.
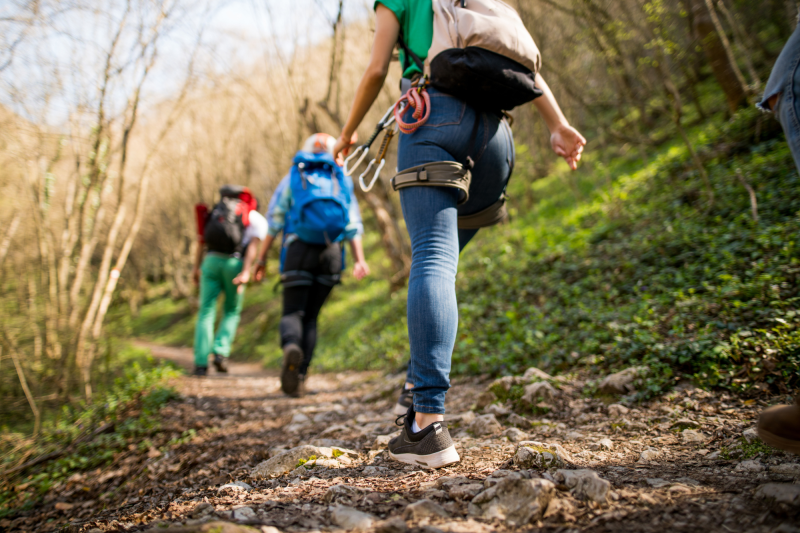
(432, 213)
(779, 426)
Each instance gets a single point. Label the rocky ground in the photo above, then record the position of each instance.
(233, 450)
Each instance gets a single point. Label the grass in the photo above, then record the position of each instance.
(622, 263)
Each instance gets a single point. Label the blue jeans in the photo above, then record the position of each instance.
(431, 215)
(785, 81)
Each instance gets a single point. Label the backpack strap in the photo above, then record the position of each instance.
(409, 55)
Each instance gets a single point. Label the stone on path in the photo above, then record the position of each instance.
(605, 444)
(424, 509)
(485, 425)
(349, 518)
(515, 501)
(621, 382)
(779, 493)
(497, 410)
(786, 469)
(616, 410)
(485, 398)
(657, 482)
(236, 485)
(243, 513)
(466, 492)
(690, 436)
(287, 461)
(750, 466)
(650, 454)
(520, 421)
(208, 527)
(392, 525)
(515, 435)
(536, 391)
(531, 454)
(750, 435)
(584, 484)
(685, 423)
(534, 373)
(345, 494)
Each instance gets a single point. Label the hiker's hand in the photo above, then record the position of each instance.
(361, 270)
(196, 276)
(568, 143)
(242, 278)
(260, 271)
(342, 147)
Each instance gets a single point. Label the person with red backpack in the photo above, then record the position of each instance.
(316, 209)
(229, 236)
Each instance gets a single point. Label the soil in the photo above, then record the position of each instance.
(226, 424)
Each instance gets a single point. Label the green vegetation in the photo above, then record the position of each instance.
(85, 436)
(622, 263)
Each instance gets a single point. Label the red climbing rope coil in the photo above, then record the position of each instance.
(420, 102)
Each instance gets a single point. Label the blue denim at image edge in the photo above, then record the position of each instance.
(785, 80)
(431, 219)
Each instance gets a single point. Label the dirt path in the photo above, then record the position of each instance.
(678, 464)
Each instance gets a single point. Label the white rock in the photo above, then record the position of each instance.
(515, 435)
(424, 509)
(606, 444)
(691, 436)
(520, 421)
(535, 392)
(532, 454)
(650, 454)
(713, 455)
(750, 435)
(243, 513)
(349, 518)
(750, 466)
(236, 485)
(786, 469)
(780, 493)
(485, 425)
(287, 461)
(270, 529)
(497, 475)
(616, 410)
(621, 382)
(468, 418)
(584, 484)
(344, 494)
(657, 482)
(466, 492)
(515, 501)
(574, 435)
(300, 418)
(534, 373)
(497, 410)
(374, 470)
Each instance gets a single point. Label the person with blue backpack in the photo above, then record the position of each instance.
(316, 209)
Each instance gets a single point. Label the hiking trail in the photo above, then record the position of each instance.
(668, 465)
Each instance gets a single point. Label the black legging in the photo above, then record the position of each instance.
(317, 269)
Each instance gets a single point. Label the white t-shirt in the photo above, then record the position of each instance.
(257, 229)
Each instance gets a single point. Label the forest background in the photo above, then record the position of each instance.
(673, 247)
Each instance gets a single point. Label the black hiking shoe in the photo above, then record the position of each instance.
(404, 402)
(221, 363)
(432, 447)
(301, 386)
(290, 374)
(200, 371)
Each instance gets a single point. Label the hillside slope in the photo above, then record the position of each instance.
(624, 262)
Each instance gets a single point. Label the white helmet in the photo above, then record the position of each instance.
(318, 143)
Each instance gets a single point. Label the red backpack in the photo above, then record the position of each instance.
(222, 229)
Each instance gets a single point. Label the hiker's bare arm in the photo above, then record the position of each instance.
(565, 140)
(262, 257)
(387, 29)
(361, 268)
(198, 259)
(247, 264)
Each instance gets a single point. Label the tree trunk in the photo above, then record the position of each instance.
(724, 71)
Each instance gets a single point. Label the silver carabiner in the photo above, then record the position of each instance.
(362, 150)
(367, 188)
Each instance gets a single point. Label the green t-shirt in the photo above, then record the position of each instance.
(416, 27)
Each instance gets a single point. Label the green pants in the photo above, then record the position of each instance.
(217, 273)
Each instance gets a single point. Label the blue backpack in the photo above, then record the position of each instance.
(320, 210)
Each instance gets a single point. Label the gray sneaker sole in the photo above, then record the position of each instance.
(445, 457)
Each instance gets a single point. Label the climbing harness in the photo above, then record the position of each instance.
(416, 97)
